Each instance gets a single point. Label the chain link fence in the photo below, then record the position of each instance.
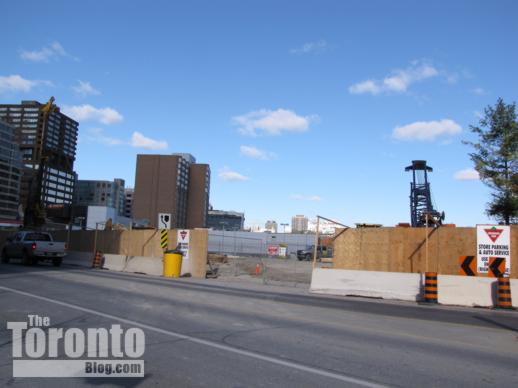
(270, 258)
(247, 243)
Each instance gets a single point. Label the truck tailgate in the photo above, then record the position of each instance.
(44, 248)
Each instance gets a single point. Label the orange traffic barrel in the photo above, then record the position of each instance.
(97, 260)
(430, 287)
(504, 293)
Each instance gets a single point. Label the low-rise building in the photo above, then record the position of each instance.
(101, 193)
(225, 220)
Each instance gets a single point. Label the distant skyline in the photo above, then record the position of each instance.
(309, 109)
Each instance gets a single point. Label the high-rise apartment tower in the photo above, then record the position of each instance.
(47, 139)
(173, 184)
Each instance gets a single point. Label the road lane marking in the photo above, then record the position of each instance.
(212, 344)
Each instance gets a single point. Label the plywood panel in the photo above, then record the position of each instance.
(404, 249)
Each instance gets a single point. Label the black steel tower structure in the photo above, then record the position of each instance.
(421, 206)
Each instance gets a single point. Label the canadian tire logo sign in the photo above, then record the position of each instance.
(493, 233)
(183, 233)
(493, 241)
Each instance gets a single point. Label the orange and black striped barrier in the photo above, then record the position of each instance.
(430, 287)
(504, 293)
(97, 260)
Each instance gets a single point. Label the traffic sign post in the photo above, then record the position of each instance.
(164, 220)
(163, 238)
(183, 237)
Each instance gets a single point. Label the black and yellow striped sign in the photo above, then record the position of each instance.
(163, 238)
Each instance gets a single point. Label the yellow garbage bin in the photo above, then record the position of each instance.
(172, 264)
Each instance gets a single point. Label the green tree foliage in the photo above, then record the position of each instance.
(496, 158)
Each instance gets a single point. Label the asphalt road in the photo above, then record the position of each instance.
(222, 334)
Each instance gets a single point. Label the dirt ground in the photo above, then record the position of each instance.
(288, 271)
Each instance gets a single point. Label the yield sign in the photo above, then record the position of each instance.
(183, 233)
(493, 233)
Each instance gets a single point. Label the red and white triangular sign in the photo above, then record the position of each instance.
(493, 233)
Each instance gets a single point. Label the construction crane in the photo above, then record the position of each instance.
(49, 106)
(422, 211)
(35, 208)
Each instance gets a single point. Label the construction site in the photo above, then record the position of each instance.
(367, 260)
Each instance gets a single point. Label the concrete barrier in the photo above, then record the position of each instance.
(387, 285)
(471, 291)
(514, 292)
(466, 290)
(122, 263)
(82, 259)
(453, 290)
(136, 264)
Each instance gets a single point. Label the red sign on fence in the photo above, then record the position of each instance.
(273, 250)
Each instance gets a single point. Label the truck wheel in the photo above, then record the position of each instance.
(308, 256)
(5, 258)
(56, 262)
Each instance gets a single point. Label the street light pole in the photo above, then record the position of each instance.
(284, 234)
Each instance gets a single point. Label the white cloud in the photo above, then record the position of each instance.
(310, 47)
(88, 112)
(138, 140)
(53, 51)
(228, 175)
(256, 153)
(16, 83)
(478, 91)
(368, 86)
(85, 88)
(398, 81)
(272, 122)
(427, 130)
(301, 197)
(97, 135)
(468, 174)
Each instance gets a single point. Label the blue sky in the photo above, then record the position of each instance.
(309, 107)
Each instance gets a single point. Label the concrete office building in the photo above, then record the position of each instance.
(47, 140)
(101, 193)
(299, 224)
(225, 220)
(10, 177)
(128, 203)
(173, 184)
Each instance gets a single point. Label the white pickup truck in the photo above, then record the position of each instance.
(31, 247)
